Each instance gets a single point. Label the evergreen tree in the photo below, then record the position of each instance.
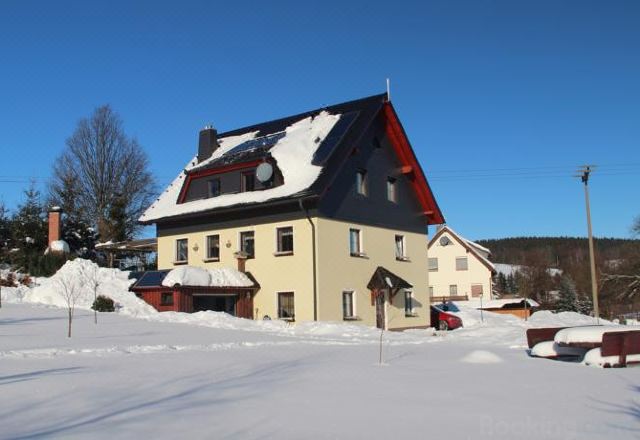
(29, 229)
(567, 299)
(584, 304)
(76, 226)
(5, 234)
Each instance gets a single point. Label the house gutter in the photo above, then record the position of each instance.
(313, 256)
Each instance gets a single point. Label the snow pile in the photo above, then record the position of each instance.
(551, 349)
(546, 318)
(590, 334)
(198, 276)
(481, 357)
(293, 154)
(594, 358)
(79, 275)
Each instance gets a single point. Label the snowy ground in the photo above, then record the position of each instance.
(217, 377)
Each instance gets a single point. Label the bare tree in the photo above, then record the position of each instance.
(108, 168)
(70, 291)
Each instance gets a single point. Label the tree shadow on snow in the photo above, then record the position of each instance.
(246, 385)
(632, 409)
(5, 380)
(10, 321)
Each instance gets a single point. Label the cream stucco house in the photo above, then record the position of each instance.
(459, 269)
(325, 214)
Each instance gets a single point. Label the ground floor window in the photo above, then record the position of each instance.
(408, 303)
(286, 307)
(476, 290)
(453, 290)
(166, 299)
(348, 309)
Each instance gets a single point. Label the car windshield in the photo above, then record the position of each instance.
(448, 307)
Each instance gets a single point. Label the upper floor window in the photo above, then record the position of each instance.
(214, 187)
(433, 264)
(391, 189)
(461, 263)
(355, 242)
(285, 240)
(361, 182)
(247, 243)
(400, 251)
(182, 250)
(248, 181)
(213, 247)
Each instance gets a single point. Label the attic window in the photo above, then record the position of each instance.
(248, 181)
(361, 182)
(214, 187)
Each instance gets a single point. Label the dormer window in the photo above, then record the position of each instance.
(214, 187)
(248, 181)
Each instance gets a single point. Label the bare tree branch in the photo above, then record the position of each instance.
(105, 164)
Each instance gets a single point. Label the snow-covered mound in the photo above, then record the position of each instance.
(79, 274)
(198, 276)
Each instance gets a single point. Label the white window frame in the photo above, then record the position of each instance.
(206, 243)
(466, 260)
(455, 286)
(278, 252)
(431, 292)
(360, 252)
(429, 264)
(254, 241)
(411, 312)
(176, 259)
(354, 313)
(277, 299)
(402, 257)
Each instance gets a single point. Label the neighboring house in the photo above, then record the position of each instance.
(459, 269)
(326, 211)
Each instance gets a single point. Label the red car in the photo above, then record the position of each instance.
(442, 320)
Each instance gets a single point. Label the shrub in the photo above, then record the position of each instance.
(103, 304)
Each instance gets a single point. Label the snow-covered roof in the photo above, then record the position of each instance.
(198, 276)
(500, 303)
(293, 154)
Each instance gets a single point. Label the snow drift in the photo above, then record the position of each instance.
(112, 283)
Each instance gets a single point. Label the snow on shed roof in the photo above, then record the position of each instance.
(200, 277)
(293, 154)
(500, 303)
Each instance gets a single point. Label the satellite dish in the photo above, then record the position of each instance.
(444, 241)
(264, 172)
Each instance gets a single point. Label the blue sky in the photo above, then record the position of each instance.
(502, 100)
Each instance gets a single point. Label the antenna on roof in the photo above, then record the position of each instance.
(388, 90)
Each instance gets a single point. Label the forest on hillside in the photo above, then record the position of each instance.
(558, 251)
(614, 257)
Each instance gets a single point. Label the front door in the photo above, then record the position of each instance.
(380, 309)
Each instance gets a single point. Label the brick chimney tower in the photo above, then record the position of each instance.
(55, 224)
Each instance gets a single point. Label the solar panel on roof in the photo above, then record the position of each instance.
(265, 142)
(325, 150)
(152, 278)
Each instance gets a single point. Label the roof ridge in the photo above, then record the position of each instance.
(300, 115)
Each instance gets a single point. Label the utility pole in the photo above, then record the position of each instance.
(585, 171)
